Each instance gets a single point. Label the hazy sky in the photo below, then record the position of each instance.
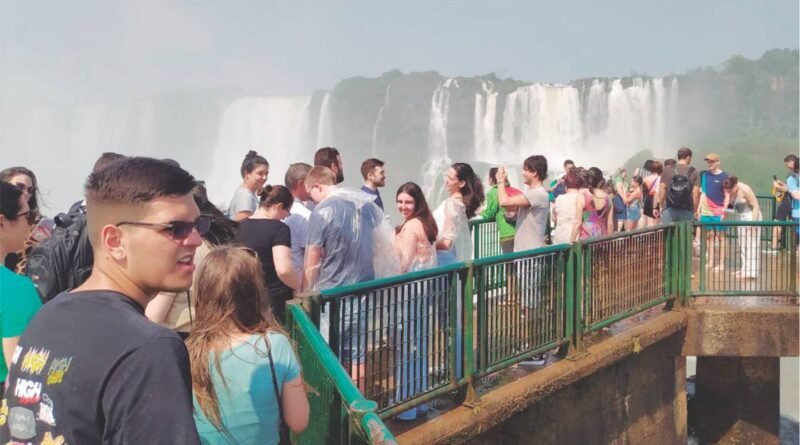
(91, 50)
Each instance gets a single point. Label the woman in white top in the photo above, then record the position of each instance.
(452, 216)
(414, 242)
(745, 206)
(565, 209)
(254, 170)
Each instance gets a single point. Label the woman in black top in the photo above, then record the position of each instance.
(270, 238)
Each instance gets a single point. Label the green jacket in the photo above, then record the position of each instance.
(494, 212)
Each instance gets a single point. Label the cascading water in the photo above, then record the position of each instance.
(325, 124)
(485, 116)
(378, 122)
(276, 127)
(438, 159)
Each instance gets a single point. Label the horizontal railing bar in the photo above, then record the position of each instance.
(746, 293)
(391, 281)
(618, 235)
(508, 362)
(623, 315)
(523, 254)
(419, 400)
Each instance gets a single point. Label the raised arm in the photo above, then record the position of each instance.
(502, 197)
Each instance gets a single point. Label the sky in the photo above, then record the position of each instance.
(95, 50)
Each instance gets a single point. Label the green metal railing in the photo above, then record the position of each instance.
(624, 274)
(735, 258)
(399, 337)
(485, 238)
(405, 340)
(528, 314)
(768, 207)
(339, 413)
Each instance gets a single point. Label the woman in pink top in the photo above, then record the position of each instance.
(595, 206)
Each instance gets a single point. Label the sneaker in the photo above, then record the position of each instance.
(536, 360)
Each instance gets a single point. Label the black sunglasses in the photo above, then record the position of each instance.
(178, 230)
(23, 188)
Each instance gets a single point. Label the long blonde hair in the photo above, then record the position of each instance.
(229, 300)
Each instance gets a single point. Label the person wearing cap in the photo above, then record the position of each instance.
(713, 201)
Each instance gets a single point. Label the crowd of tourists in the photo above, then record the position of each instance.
(146, 314)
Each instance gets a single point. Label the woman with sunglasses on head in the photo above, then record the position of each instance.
(18, 298)
(415, 242)
(270, 238)
(39, 226)
(175, 309)
(246, 378)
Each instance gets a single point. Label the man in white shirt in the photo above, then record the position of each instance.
(299, 213)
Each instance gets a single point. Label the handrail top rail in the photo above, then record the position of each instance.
(391, 281)
(613, 236)
(480, 222)
(532, 253)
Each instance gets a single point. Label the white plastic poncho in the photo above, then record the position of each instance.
(355, 238)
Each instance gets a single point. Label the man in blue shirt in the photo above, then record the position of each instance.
(374, 176)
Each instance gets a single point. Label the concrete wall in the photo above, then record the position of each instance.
(640, 399)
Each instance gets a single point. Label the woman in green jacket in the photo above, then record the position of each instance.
(493, 212)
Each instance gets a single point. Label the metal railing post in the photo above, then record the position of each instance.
(577, 308)
(468, 335)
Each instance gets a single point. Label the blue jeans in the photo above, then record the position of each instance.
(443, 258)
(411, 348)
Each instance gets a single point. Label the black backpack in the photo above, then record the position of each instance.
(63, 261)
(679, 191)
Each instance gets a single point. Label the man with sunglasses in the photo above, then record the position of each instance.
(90, 368)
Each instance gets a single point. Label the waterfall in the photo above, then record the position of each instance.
(485, 145)
(378, 121)
(325, 125)
(276, 127)
(437, 160)
(672, 107)
(542, 119)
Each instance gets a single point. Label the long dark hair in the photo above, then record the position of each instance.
(472, 190)
(794, 159)
(421, 209)
(223, 229)
(596, 179)
(229, 299)
(251, 161)
(33, 201)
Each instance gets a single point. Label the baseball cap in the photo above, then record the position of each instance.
(711, 157)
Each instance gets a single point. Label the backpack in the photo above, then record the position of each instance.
(679, 191)
(63, 261)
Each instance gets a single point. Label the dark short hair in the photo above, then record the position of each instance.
(684, 153)
(794, 159)
(296, 173)
(326, 157)
(669, 163)
(536, 164)
(105, 159)
(568, 162)
(368, 165)
(271, 195)
(136, 181)
(251, 161)
(9, 201)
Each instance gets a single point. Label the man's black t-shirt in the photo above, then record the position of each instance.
(91, 369)
(262, 235)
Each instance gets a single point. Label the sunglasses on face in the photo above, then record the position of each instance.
(23, 188)
(177, 230)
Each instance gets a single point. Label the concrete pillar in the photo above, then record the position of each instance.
(737, 400)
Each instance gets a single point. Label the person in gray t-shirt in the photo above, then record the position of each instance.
(533, 204)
